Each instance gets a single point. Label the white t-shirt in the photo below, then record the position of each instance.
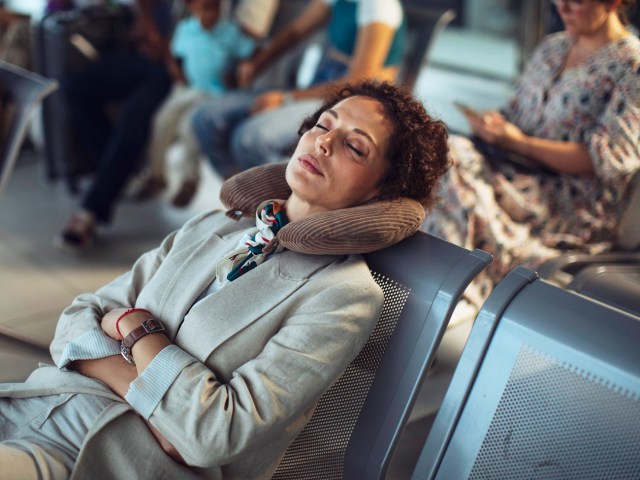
(388, 12)
(256, 15)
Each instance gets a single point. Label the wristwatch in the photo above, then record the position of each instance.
(150, 325)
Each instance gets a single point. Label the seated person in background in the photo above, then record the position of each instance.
(138, 78)
(204, 48)
(255, 17)
(576, 111)
(366, 40)
(249, 322)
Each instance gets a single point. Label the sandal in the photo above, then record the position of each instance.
(185, 194)
(79, 233)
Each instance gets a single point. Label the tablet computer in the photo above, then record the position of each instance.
(496, 154)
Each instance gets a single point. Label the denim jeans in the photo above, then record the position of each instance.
(234, 140)
(140, 85)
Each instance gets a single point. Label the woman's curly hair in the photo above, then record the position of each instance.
(417, 152)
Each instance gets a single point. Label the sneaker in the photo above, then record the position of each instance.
(185, 194)
(80, 232)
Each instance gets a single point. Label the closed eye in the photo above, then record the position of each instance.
(322, 127)
(357, 152)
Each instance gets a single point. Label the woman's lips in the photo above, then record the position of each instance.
(310, 164)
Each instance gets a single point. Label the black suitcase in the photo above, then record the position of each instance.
(65, 42)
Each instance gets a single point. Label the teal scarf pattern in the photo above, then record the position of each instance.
(270, 218)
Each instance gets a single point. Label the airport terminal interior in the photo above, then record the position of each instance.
(475, 60)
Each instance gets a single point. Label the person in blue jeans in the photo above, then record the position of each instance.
(137, 77)
(205, 48)
(366, 39)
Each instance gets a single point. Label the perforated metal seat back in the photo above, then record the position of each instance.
(318, 452)
(557, 420)
(556, 396)
(357, 422)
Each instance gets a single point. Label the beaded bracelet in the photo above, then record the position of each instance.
(131, 310)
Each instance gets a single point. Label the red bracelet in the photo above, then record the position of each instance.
(131, 310)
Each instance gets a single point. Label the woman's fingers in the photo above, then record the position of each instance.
(108, 323)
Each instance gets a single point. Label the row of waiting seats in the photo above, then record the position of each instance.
(548, 384)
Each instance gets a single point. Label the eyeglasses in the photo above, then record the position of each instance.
(569, 3)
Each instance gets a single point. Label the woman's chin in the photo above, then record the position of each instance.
(298, 176)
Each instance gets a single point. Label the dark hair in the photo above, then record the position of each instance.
(625, 10)
(417, 151)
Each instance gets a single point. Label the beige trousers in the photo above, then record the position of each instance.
(172, 123)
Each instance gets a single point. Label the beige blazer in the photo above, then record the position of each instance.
(267, 346)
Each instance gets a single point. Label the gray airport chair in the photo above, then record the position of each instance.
(424, 25)
(358, 422)
(612, 277)
(617, 285)
(22, 92)
(547, 387)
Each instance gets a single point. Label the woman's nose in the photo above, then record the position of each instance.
(323, 145)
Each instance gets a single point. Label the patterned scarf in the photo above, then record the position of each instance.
(270, 218)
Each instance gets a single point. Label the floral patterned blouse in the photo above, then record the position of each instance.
(598, 104)
(526, 218)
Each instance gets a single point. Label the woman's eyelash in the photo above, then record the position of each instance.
(358, 152)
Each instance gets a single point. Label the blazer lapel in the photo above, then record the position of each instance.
(214, 319)
(191, 275)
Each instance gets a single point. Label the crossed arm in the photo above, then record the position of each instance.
(117, 373)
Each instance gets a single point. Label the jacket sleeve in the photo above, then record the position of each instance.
(78, 334)
(212, 422)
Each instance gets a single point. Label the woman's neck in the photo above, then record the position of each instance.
(297, 209)
(612, 29)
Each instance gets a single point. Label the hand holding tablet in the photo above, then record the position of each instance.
(467, 110)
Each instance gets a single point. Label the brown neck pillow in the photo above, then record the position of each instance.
(360, 229)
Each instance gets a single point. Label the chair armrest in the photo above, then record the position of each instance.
(561, 270)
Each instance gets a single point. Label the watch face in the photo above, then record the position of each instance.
(126, 353)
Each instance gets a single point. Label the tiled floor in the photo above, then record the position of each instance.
(37, 280)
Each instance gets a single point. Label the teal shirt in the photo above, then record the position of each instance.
(207, 55)
(343, 30)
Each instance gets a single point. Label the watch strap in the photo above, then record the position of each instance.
(150, 325)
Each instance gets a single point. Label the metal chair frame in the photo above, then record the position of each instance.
(423, 278)
(500, 419)
(24, 91)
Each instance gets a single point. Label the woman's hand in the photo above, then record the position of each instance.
(268, 101)
(494, 129)
(108, 323)
(113, 371)
(127, 323)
